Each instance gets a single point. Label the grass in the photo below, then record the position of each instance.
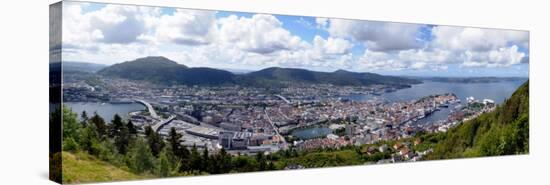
(324, 159)
(81, 167)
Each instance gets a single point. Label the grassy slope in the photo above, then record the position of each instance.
(504, 131)
(81, 167)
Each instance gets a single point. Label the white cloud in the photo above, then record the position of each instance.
(476, 39)
(321, 22)
(261, 33)
(415, 59)
(501, 57)
(376, 60)
(113, 24)
(436, 56)
(118, 33)
(377, 36)
(331, 45)
(188, 27)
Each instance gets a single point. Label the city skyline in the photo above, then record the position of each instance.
(248, 41)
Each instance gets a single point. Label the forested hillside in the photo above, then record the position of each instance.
(504, 131)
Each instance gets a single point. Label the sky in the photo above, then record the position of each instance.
(110, 34)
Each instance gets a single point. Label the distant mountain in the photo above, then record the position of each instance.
(164, 71)
(504, 131)
(82, 67)
(282, 76)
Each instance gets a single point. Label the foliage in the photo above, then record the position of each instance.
(504, 131)
(81, 167)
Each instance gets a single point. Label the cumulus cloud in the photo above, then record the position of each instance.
(188, 27)
(261, 33)
(331, 45)
(113, 24)
(117, 33)
(476, 39)
(501, 57)
(321, 22)
(377, 36)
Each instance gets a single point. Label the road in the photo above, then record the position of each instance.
(285, 144)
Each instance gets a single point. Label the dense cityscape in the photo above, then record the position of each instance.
(250, 120)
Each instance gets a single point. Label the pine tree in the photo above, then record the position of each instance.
(261, 161)
(70, 124)
(167, 162)
(185, 159)
(271, 166)
(84, 119)
(122, 140)
(195, 160)
(99, 124)
(140, 158)
(174, 140)
(225, 161)
(155, 141)
(205, 159)
(131, 128)
(116, 126)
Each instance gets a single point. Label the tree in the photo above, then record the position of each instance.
(205, 159)
(224, 161)
(195, 159)
(131, 128)
(88, 138)
(155, 141)
(167, 163)
(174, 140)
(185, 159)
(116, 126)
(140, 158)
(100, 125)
(122, 140)
(70, 125)
(262, 164)
(84, 119)
(271, 166)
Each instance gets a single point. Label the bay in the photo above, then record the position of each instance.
(497, 91)
(106, 110)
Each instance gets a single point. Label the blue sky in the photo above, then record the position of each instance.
(251, 41)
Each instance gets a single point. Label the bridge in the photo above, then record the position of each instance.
(283, 98)
(161, 123)
(149, 108)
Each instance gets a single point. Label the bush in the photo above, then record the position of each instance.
(70, 144)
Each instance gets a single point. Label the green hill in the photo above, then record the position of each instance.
(281, 76)
(82, 167)
(504, 131)
(164, 71)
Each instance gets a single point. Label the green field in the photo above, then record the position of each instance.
(81, 168)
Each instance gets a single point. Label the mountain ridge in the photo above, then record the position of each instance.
(165, 71)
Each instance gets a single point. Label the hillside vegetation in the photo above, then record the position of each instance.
(165, 71)
(504, 131)
(81, 167)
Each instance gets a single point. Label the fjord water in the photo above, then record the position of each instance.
(497, 91)
(106, 110)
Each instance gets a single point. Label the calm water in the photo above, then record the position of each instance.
(313, 132)
(106, 110)
(497, 91)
